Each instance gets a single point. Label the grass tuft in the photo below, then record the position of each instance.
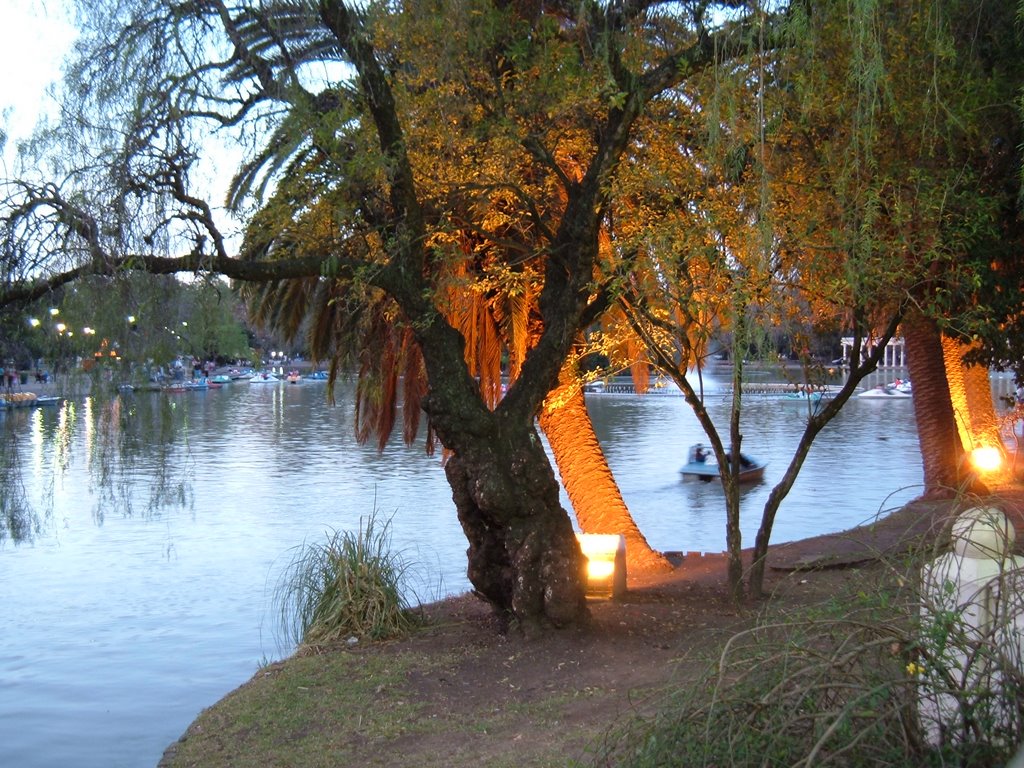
(350, 586)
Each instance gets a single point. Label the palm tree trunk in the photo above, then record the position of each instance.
(588, 480)
(941, 449)
(984, 421)
(970, 390)
(971, 393)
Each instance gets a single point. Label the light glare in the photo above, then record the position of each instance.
(986, 458)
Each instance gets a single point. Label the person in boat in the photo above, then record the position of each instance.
(699, 455)
(745, 461)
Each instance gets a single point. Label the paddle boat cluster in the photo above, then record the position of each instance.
(899, 389)
(10, 400)
(233, 376)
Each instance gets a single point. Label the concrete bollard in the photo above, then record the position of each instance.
(972, 623)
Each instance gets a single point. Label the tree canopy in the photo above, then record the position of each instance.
(340, 108)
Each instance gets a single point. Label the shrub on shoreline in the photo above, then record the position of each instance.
(350, 586)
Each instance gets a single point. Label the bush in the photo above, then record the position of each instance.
(349, 586)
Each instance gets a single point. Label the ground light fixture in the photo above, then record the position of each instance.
(986, 458)
(606, 564)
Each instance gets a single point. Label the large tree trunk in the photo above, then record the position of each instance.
(523, 554)
(941, 449)
(593, 492)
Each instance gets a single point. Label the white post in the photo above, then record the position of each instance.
(972, 625)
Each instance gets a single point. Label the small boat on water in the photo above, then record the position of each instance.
(803, 396)
(897, 390)
(264, 377)
(317, 376)
(196, 385)
(293, 377)
(220, 378)
(700, 464)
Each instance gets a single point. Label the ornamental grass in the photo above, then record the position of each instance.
(347, 588)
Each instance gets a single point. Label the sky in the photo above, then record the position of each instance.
(33, 36)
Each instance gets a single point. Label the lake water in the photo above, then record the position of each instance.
(145, 592)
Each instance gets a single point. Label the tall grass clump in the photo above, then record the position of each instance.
(834, 685)
(350, 586)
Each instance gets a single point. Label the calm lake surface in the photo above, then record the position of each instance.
(163, 522)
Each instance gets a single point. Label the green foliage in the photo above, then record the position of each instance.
(349, 586)
(144, 318)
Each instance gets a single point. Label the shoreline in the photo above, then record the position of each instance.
(455, 675)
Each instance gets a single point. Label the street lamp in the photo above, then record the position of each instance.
(60, 327)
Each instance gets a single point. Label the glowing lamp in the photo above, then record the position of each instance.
(606, 564)
(986, 458)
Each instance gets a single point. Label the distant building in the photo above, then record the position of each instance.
(895, 355)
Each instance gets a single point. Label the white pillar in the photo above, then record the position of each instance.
(972, 624)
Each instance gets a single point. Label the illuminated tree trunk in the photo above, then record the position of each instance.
(971, 394)
(941, 449)
(984, 422)
(970, 391)
(588, 480)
